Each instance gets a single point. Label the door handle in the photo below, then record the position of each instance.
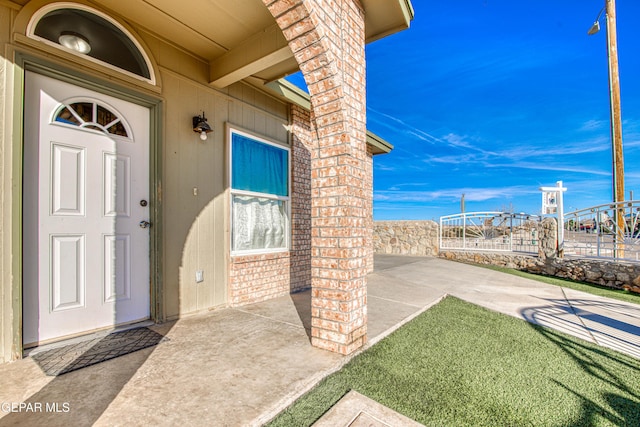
(144, 224)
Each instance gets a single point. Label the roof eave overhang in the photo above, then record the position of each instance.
(267, 55)
(292, 93)
(383, 18)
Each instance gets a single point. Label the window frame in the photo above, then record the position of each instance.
(231, 130)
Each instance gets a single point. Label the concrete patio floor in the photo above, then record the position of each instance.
(239, 367)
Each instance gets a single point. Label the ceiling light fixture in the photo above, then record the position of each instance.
(74, 41)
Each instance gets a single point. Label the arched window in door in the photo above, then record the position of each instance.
(91, 115)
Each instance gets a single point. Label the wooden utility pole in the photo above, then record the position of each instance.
(616, 119)
(614, 92)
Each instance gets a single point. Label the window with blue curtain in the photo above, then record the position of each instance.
(259, 167)
(259, 195)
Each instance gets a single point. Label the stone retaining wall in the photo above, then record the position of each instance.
(406, 237)
(421, 238)
(617, 275)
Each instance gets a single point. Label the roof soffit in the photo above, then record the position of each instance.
(239, 38)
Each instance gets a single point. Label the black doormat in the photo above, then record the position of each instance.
(58, 361)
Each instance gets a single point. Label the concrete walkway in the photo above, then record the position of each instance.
(603, 321)
(237, 367)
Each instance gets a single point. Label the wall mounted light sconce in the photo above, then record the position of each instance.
(201, 126)
(75, 42)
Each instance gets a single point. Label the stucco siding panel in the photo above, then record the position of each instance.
(195, 180)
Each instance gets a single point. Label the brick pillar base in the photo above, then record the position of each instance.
(327, 39)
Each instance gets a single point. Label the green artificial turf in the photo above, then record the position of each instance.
(458, 364)
(591, 288)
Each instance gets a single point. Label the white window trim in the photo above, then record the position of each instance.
(287, 199)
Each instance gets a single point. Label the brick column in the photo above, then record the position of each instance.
(301, 151)
(327, 39)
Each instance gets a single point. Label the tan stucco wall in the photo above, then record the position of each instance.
(194, 231)
(195, 226)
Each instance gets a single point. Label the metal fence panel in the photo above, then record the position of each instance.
(490, 231)
(595, 232)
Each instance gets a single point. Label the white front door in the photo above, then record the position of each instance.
(86, 191)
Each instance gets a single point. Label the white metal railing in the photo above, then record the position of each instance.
(493, 231)
(605, 231)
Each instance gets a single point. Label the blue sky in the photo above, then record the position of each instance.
(495, 98)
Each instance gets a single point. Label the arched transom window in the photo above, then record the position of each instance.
(91, 115)
(86, 32)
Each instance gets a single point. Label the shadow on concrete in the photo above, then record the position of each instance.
(611, 324)
(80, 397)
(302, 303)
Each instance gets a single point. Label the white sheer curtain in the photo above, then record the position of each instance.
(258, 223)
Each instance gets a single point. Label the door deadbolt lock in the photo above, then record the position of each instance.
(143, 203)
(144, 224)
